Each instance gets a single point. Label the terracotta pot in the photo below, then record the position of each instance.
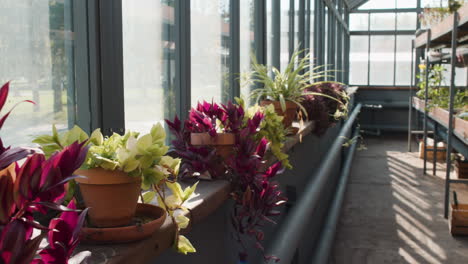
(461, 168)
(130, 233)
(111, 196)
(223, 142)
(288, 116)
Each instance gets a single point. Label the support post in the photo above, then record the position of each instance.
(450, 123)
(428, 43)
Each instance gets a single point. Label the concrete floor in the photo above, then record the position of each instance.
(393, 213)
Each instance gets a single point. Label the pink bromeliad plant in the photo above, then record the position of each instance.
(37, 186)
(255, 193)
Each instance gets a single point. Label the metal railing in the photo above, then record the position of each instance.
(290, 233)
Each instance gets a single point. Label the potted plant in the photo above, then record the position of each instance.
(285, 89)
(207, 138)
(215, 125)
(34, 187)
(116, 167)
(255, 194)
(325, 111)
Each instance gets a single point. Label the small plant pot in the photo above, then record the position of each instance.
(223, 142)
(288, 116)
(459, 220)
(461, 168)
(111, 196)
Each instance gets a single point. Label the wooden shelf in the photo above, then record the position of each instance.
(441, 34)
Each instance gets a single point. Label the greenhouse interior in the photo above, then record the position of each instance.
(233, 131)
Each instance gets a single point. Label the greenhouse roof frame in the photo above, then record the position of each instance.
(354, 4)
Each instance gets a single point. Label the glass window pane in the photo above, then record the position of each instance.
(36, 51)
(434, 3)
(312, 30)
(296, 25)
(382, 60)
(382, 21)
(210, 38)
(326, 39)
(378, 4)
(407, 4)
(284, 59)
(247, 40)
(403, 60)
(149, 62)
(358, 60)
(358, 22)
(406, 21)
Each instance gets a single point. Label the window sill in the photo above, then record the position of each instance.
(210, 196)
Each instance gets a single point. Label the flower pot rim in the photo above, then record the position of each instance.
(101, 176)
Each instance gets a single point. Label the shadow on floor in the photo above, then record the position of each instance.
(392, 212)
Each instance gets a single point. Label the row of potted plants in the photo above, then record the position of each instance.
(438, 98)
(298, 90)
(96, 181)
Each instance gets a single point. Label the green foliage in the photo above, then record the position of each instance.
(438, 92)
(272, 129)
(139, 156)
(288, 85)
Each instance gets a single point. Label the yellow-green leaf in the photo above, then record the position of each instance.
(189, 191)
(148, 196)
(176, 189)
(182, 221)
(184, 246)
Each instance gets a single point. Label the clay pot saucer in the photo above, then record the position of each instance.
(136, 231)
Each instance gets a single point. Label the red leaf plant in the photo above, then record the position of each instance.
(255, 194)
(34, 187)
(9, 155)
(206, 117)
(325, 111)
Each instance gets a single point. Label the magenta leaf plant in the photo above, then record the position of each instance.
(9, 155)
(35, 187)
(255, 193)
(208, 118)
(326, 110)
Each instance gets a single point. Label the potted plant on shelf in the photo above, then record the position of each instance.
(117, 169)
(215, 125)
(255, 193)
(206, 139)
(34, 187)
(285, 89)
(326, 110)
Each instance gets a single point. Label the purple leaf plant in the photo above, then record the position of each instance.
(322, 109)
(255, 193)
(34, 187)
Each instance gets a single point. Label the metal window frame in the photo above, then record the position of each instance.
(395, 32)
(183, 80)
(234, 53)
(99, 65)
(98, 52)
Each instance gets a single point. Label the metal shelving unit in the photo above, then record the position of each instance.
(450, 33)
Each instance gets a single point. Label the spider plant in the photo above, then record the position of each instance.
(290, 84)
